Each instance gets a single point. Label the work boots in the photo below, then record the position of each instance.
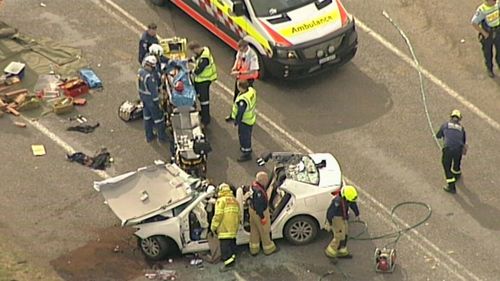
(245, 157)
(450, 188)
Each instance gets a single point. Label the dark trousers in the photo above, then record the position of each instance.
(203, 91)
(488, 43)
(451, 159)
(236, 91)
(245, 136)
(228, 250)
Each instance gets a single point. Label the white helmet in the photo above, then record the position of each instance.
(156, 50)
(150, 60)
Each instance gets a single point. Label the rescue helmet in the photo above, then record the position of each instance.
(350, 193)
(224, 189)
(156, 49)
(150, 60)
(456, 113)
(179, 86)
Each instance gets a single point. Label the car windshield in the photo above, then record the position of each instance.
(303, 169)
(265, 8)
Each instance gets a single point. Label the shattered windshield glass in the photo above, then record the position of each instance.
(303, 169)
(265, 8)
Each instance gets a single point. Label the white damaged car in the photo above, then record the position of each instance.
(172, 210)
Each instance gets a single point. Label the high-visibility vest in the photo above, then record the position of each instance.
(210, 71)
(250, 97)
(243, 65)
(492, 14)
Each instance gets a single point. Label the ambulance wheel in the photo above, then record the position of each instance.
(301, 230)
(158, 2)
(155, 248)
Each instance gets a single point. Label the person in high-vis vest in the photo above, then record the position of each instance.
(337, 216)
(244, 117)
(225, 224)
(246, 68)
(205, 72)
(260, 217)
(486, 21)
(152, 112)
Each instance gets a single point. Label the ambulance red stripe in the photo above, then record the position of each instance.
(207, 24)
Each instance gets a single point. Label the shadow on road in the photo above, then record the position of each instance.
(486, 215)
(336, 100)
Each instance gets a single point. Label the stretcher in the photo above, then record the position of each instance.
(182, 112)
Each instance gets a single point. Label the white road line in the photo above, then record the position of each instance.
(70, 150)
(448, 90)
(303, 147)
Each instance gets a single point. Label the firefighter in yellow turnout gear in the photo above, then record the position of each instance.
(337, 216)
(225, 224)
(260, 218)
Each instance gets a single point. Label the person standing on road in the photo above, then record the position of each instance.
(225, 224)
(152, 112)
(260, 217)
(246, 68)
(147, 39)
(244, 117)
(486, 21)
(205, 72)
(337, 216)
(454, 147)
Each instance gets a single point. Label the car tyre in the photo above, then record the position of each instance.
(158, 2)
(154, 248)
(301, 230)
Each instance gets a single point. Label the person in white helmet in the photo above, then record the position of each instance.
(147, 38)
(152, 113)
(163, 64)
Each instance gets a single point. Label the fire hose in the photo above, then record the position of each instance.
(395, 235)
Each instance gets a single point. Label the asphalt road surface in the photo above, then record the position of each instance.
(369, 114)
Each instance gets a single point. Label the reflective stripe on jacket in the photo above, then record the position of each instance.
(226, 220)
(250, 98)
(210, 71)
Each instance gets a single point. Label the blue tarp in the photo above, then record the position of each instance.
(188, 96)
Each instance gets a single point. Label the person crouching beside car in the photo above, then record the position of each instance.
(225, 224)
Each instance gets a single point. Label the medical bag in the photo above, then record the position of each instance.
(89, 76)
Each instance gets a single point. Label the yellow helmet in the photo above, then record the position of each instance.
(350, 193)
(456, 113)
(224, 187)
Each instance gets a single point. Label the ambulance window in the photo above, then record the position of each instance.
(265, 8)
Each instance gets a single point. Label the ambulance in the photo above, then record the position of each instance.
(294, 38)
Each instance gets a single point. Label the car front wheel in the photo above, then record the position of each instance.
(155, 248)
(301, 230)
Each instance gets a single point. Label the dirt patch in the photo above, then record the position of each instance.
(114, 256)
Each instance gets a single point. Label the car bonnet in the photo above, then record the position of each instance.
(147, 192)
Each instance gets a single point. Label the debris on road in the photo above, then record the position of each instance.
(62, 106)
(38, 149)
(100, 161)
(161, 274)
(42, 5)
(83, 128)
(20, 124)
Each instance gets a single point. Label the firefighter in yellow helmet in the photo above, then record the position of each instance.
(260, 217)
(455, 145)
(337, 216)
(225, 224)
